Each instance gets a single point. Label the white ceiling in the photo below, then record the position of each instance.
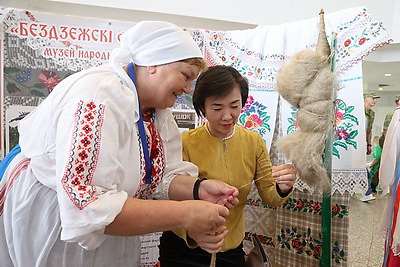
(375, 79)
(384, 60)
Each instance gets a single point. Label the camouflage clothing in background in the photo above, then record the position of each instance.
(369, 117)
(388, 117)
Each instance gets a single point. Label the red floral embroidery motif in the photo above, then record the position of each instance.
(84, 153)
(156, 150)
(297, 244)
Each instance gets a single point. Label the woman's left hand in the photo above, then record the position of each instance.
(212, 243)
(285, 176)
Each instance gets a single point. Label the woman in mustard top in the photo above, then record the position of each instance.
(225, 151)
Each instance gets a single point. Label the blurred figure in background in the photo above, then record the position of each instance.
(389, 175)
(373, 166)
(369, 101)
(389, 116)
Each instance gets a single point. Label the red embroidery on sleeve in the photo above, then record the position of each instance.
(84, 154)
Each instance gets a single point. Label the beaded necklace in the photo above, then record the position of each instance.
(224, 138)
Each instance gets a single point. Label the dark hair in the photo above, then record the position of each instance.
(218, 81)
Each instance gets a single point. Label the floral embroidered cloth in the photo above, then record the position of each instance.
(258, 54)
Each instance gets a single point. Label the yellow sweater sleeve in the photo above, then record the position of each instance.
(266, 185)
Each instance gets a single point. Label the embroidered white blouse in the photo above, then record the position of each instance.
(85, 150)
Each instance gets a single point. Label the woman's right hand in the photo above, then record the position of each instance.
(204, 217)
(218, 192)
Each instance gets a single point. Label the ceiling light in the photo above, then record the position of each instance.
(388, 74)
(380, 88)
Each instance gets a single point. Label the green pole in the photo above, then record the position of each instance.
(326, 250)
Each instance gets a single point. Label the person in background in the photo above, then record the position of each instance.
(228, 152)
(389, 116)
(373, 166)
(389, 180)
(369, 101)
(98, 151)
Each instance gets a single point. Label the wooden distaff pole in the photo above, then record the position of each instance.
(213, 259)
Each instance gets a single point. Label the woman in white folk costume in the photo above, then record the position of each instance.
(96, 153)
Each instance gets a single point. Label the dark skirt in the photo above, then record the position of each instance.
(175, 253)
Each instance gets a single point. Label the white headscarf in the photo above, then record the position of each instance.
(150, 43)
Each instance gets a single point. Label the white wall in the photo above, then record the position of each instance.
(123, 13)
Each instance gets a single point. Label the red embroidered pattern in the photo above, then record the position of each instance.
(157, 156)
(84, 154)
(22, 165)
